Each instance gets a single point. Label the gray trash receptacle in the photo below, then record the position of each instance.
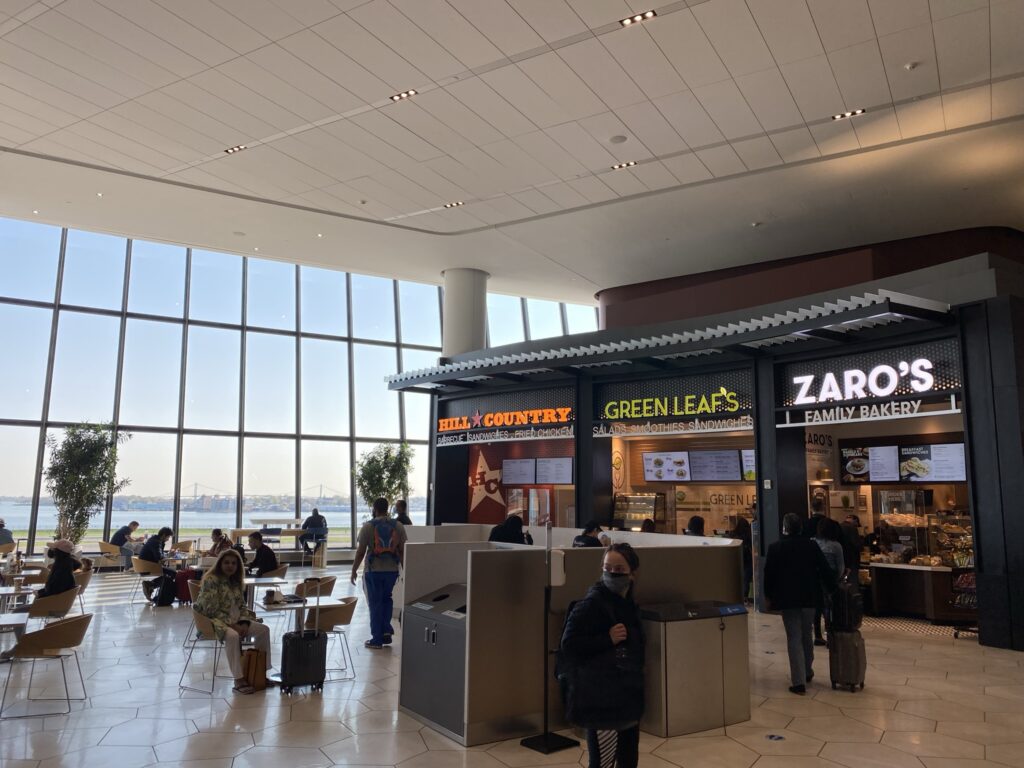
(697, 674)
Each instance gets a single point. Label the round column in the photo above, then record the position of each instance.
(465, 311)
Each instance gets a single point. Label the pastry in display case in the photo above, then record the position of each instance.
(631, 509)
(951, 539)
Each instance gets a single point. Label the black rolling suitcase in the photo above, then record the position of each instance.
(847, 607)
(304, 655)
(847, 659)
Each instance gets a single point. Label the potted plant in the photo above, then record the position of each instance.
(383, 472)
(81, 475)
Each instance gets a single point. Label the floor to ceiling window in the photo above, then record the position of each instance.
(250, 386)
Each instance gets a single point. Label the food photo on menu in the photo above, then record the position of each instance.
(856, 463)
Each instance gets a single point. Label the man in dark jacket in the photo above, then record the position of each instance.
(264, 560)
(315, 527)
(510, 532)
(794, 573)
(153, 552)
(852, 544)
(589, 536)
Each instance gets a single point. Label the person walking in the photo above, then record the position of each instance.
(382, 542)
(601, 663)
(829, 539)
(793, 574)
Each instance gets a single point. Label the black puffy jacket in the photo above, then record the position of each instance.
(602, 684)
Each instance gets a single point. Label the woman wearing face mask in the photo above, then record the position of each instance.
(602, 653)
(61, 579)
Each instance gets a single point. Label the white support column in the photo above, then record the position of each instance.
(465, 311)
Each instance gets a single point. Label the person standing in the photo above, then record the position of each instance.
(382, 543)
(828, 538)
(402, 512)
(853, 543)
(601, 663)
(793, 574)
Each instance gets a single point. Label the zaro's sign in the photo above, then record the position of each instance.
(856, 384)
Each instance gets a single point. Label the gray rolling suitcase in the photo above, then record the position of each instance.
(847, 660)
(304, 655)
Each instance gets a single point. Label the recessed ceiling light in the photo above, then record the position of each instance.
(99, 194)
(628, 164)
(256, 248)
(36, 212)
(617, 139)
(403, 95)
(319, 234)
(848, 114)
(453, 205)
(630, 20)
(232, 150)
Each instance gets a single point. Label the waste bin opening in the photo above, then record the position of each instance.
(439, 598)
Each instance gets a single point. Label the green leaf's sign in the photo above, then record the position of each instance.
(722, 401)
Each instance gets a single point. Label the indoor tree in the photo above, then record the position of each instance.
(383, 472)
(81, 474)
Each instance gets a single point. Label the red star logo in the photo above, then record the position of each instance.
(476, 418)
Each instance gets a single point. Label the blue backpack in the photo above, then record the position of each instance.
(385, 542)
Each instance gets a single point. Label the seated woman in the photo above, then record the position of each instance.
(61, 579)
(222, 600)
(221, 543)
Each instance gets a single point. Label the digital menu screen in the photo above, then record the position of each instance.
(554, 471)
(715, 466)
(878, 464)
(749, 465)
(518, 471)
(932, 463)
(667, 466)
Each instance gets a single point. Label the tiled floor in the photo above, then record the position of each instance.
(929, 703)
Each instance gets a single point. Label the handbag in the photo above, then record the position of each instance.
(254, 668)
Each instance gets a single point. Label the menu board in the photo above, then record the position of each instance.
(518, 471)
(715, 466)
(878, 464)
(554, 471)
(749, 466)
(933, 463)
(672, 466)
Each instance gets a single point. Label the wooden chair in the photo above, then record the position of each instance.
(334, 620)
(183, 546)
(82, 579)
(309, 589)
(6, 549)
(58, 640)
(205, 633)
(36, 576)
(54, 606)
(193, 591)
(277, 573)
(142, 569)
(112, 556)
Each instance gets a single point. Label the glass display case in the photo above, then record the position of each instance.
(631, 509)
(951, 538)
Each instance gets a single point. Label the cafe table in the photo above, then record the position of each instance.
(298, 608)
(9, 622)
(251, 585)
(10, 594)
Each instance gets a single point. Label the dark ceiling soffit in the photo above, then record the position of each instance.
(826, 335)
(729, 343)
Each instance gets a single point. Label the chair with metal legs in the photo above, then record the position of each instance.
(82, 579)
(204, 633)
(334, 620)
(143, 568)
(58, 640)
(193, 591)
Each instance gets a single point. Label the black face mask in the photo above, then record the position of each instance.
(616, 582)
(52, 554)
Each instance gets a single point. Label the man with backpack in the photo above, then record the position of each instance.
(382, 542)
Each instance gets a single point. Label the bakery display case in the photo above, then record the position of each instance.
(631, 509)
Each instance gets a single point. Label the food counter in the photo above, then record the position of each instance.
(933, 592)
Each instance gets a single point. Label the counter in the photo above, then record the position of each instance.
(916, 590)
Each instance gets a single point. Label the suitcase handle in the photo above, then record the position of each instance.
(433, 637)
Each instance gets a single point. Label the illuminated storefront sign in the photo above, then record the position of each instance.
(722, 401)
(540, 414)
(880, 381)
(505, 419)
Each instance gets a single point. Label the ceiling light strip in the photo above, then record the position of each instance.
(638, 18)
(847, 115)
(403, 95)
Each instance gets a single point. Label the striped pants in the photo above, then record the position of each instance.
(613, 749)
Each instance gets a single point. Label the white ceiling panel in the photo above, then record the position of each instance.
(231, 92)
(581, 145)
(507, 208)
(269, 87)
(606, 125)
(367, 142)
(912, 46)
(942, 9)
(519, 165)
(860, 73)
(536, 201)
(834, 137)
(492, 176)
(366, 205)
(441, 188)
(162, 23)
(201, 178)
(77, 148)
(457, 116)
(25, 122)
(795, 145)
(407, 39)
(484, 212)
(685, 113)
(648, 125)
(730, 111)
(371, 54)
(318, 53)
(655, 175)
(428, 127)
(550, 154)
(11, 135)
(58, 76)
(643, 60)
(721, 161)
(380, 124)
(51, 95)
(1007, 32)
(769, 97)
(114, 54)
(597, 13)
(267, 18)
(967, 107)
(14, 7)
(294, 175)
(962, 46)
(308, 12)
(139, 154)
(451, 30)
(563, 194)
(683, 41)
(842, 23)
(896, 15)
(920, 118)
(139, 40)
(623, 182)
(592, 188)
(219, 24)
(502, 25)
(464, 177)
(687, 168)
(47, 116)
(301, 76)
(551, 19)
(564, 86)
(392, 198)
(757, 153)
(814, 87)
(591, 60)
(337, 159)
(526, 96)
(1008, 98)
(481, 98)
(177, 110)
(117, 123)
(788, 28)
(877, 127)
(735, 36)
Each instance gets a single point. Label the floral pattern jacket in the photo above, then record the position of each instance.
(222, 603)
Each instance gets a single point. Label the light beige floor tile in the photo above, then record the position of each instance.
(276, 757)
(958, 762)
(767, 718)
(18, 763)
(242, 720)
(933, 745)
(888, 720)
(940, 710)
(148, 732)
(382, 722)
(514, 755)
(901, 692)
(836, 728)
(375, 749)
(309, 733)
(1012, 720)
(981, 733)
(42, 745)
(185, 709)
(869, 756)
(767, 741)
(220, 762)
(1008, 754)
(985, 702)
(649, 743)
(1014, 692)
(801, 706)
(204, 746)
(859, 700)
(123, 757)
(452, 759)
(89, 718)
(795, 762)
(381, 701)
(435, 741)
(707, 753)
